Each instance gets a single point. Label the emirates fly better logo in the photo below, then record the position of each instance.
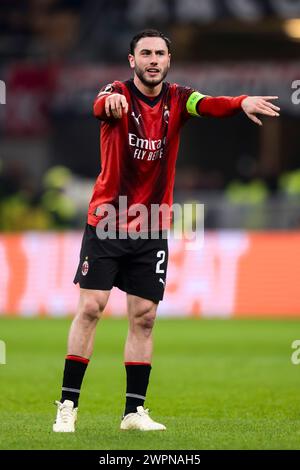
(146, 149)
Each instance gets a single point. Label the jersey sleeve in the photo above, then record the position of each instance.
(220, 106)
(188, 102)
(99, 103)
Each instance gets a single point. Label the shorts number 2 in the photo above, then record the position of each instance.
(160, 254)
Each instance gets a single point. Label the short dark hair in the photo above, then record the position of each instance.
(148, 33)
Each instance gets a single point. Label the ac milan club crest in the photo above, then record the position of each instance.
(85, 267)
(166, 114)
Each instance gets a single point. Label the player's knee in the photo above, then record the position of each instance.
(92, 308)
(145, 317)
(147, 320)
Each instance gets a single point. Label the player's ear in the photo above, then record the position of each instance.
(131, 61)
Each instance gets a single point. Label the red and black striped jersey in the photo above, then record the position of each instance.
(139, 151)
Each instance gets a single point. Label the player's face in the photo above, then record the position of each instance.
(151, 61)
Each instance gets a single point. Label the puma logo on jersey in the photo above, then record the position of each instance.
(136, 118)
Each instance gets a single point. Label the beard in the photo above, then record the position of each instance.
(152, 82)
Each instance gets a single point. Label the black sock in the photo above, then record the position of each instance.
(137, 374)
(75, 367)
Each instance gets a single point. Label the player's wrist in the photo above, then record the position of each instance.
(239, 100)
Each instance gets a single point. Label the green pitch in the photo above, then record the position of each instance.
(215, 384)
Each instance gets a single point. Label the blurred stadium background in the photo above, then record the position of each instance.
(54, 57)
(56, 54)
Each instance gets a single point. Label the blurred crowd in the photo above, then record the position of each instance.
(38, 28)
(61, 199)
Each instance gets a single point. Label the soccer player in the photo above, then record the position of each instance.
(140, 121)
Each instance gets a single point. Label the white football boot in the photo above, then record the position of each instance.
(141, 421)
(66, 417)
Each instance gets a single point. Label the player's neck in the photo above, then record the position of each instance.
(147, 91)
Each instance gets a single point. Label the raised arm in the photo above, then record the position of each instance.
(110, 106)
(110, 102)
(223, 106)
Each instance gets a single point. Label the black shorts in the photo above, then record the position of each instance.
(137, 267)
